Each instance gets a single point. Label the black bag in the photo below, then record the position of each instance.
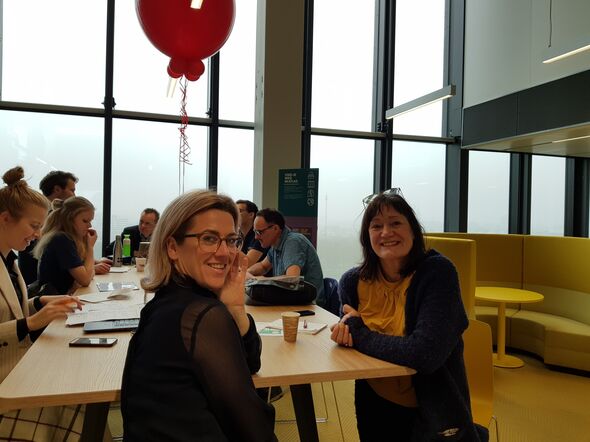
(277, 292)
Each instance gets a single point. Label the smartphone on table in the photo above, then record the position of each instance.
(93, 342)
(305, 312)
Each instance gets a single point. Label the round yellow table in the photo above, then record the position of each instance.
(502, 295)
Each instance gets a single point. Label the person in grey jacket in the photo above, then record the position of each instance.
(403, 305)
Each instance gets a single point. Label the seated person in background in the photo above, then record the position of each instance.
(255, 253)
(290, 253)
(140, 233)
(188, 372)
(56, 184)
(22, 213)
(403, 305)
(251, 246)
(65, 250)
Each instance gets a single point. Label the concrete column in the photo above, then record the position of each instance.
(279, 83)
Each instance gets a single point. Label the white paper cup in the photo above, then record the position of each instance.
(140, 264)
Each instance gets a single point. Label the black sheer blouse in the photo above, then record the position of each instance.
(188, 373)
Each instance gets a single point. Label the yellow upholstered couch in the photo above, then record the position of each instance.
(557, 329)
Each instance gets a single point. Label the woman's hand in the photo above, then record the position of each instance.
(91, 238)
(52, 309)
(232, 294)
(58, 298)
(349, 312)
(101, 268)
(340, 331)
(341, 334)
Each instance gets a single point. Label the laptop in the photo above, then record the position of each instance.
(111, 325)
(143, 250)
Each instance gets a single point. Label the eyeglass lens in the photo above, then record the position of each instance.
(209, 242)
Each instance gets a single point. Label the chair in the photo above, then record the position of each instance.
(477, 353)
(462, 253)
(333, 304)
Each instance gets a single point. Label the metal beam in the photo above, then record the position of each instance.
(577, 183)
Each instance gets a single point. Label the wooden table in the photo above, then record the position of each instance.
(502, 295)
(51, 373)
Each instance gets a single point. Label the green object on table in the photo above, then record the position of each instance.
(126, 246)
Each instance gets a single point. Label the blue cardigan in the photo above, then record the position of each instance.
(433, 346)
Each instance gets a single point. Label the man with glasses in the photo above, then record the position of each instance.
(290, 252)
(251, 246)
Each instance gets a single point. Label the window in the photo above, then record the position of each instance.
(346, 177)
(236, 163)
(237, 60)
(547, 195)
(419, 170)
(419, 62)
(489, 187)
(140, 71)
(43, 142)
(42, 63)
(343, 44)
(146, 169)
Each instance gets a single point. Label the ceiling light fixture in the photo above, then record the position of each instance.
(567, 54)
(196, 4)
(571, 139)
(425, 100)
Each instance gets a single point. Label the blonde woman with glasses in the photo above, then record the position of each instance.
(188, 371)
(22, 213)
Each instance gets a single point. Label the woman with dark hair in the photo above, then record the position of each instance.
(403, 305)
(188, 371)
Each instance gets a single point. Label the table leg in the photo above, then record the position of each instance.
(95, 421)
(304, 412)
(501, 359)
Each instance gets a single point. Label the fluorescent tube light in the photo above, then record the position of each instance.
(567, 54)
(441, 94)
(571, 139)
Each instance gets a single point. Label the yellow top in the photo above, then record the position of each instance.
(382, 308)
(507, 294)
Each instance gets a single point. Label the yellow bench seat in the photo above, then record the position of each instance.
(558, 340)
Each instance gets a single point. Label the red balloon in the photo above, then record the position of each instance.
(187, 35)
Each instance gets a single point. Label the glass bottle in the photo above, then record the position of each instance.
(126, 247)
(117, 252)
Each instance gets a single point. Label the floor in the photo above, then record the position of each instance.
(532, 404)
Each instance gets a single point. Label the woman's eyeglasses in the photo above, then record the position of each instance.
(210, 242)
(389, 192)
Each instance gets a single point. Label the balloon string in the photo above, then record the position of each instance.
(184, 149)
